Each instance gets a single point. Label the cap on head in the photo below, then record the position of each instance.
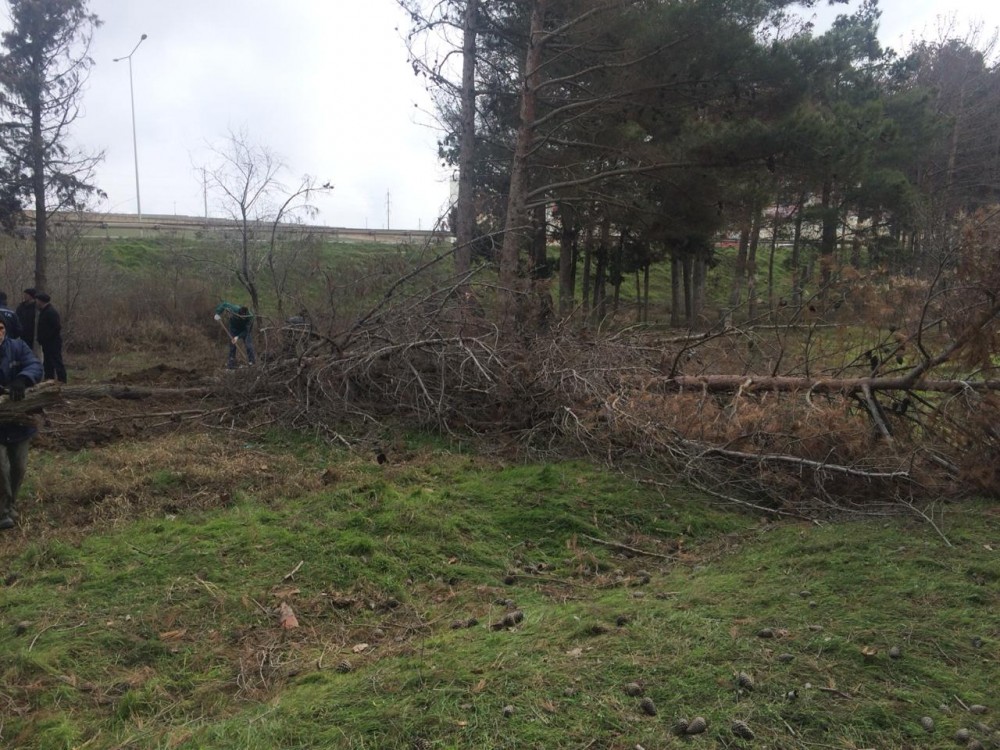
(42, 297)
(30, 291)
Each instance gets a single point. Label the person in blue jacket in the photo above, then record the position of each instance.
(240, 327)
(19, 370)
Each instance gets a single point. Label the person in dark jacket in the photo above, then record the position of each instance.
(49, 334)
(26, 317)
(10, 318)
(240, 327)
(19, 370)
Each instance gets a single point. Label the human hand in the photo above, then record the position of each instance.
(218, 317)
(235, 339)
(16, 389)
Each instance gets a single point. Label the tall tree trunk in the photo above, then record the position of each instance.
(688, 270)
(797, 252)
(828, 239)
(601, 272)
(567, 259)
(516, 221)
(950, 203)
(645, 293)
(752, 264)
(465, 211)
(740, 269)
(639, 308)
(775, 226)
(698, 283)
(575, 258)
(588, 253)
(38, 187)
(616, 269)
(539, 243)
(676, 277)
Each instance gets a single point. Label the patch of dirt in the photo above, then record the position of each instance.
(79, 424)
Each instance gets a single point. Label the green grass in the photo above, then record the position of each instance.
(161, 631)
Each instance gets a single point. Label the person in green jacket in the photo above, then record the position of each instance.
(240, 326)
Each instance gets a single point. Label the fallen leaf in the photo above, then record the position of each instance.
(286, 593)
(287, 618)
(479, 686)
(575, 652)
(452, 560)
(358, 648)
(173, 635)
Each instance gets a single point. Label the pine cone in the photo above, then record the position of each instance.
(741, 730)
(744, 681)
(697, 725)
(927, 723)
(647, 706)
(633, 689)
(344, 666)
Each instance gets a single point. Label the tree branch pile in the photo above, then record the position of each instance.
(845, 433)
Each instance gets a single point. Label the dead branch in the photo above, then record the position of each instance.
(635, 550)
(817, 465)
(876, 412)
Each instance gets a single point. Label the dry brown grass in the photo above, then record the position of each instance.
(173, 474)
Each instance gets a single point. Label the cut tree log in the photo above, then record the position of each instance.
(845, 386)
(52, 393)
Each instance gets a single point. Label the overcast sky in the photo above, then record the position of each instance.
(322, 83)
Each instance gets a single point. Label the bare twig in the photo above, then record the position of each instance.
(625, 547)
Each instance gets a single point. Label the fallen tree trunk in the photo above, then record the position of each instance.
(845, 386)
(52, 393)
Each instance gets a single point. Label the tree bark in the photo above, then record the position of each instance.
(676, 277)
(567, 259)
(828, 239)
(751, 269)
(843, 386)
(38, 187)
(465, 210)
(516, 220)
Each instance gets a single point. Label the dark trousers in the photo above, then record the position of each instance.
(247, 339)
(52, 361)
(13, 465)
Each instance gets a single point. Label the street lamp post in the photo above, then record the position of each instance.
(135, 147)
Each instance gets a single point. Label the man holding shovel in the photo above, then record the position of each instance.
(240, 327)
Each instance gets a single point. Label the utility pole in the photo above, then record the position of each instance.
(387, 204)
(204, 187)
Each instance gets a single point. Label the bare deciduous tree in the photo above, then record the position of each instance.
(246, 178)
